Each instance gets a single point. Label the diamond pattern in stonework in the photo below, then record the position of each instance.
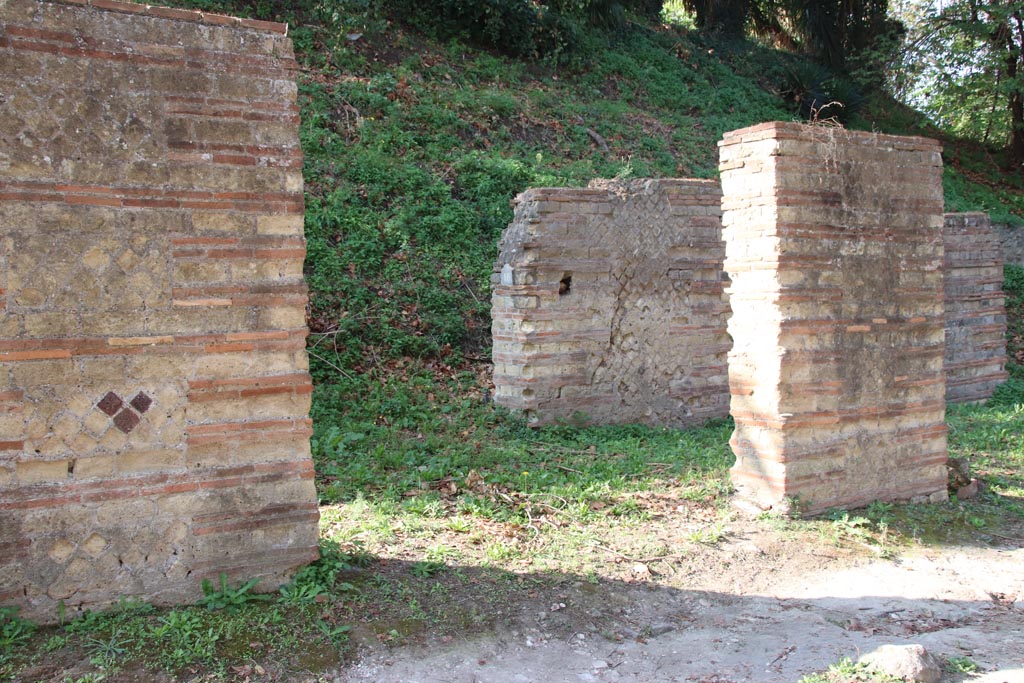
(87, 272)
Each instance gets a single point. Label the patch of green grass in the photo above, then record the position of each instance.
(848, 671)
(708, 535)
(963, 665)
(992, 441)
(972, 181)
(434, 447)
(231, 626)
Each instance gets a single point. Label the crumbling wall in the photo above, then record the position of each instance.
(975, 308)
(1011, 242)
(608, 304)
(154, 391)
(834, 243)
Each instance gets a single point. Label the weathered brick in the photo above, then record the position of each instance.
(279, 225)
(38, 471)
(95, 466)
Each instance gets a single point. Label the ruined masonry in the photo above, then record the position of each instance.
(834, 245)
(154, 392)
(608, 304)
(975, 308)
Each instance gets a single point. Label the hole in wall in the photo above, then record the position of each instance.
(565, 284)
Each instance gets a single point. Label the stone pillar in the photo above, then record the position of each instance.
(834, 243)
(975, 310)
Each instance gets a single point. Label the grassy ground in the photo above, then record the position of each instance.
(447, 529)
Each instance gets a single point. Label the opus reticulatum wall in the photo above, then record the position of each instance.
(608, 304)
(154, 391)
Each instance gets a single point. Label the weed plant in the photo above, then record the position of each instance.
(14, 632)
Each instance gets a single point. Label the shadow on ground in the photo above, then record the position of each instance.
(490, 626)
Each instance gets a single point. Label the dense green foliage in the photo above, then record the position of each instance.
(522, 28)
(414, 151)
(415, 147)
(847, 35)
(963, 64)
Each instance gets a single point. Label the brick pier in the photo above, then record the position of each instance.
(834, 244)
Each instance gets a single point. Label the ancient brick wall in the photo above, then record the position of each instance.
(834, 243)
(975, 310)
(1011, 239)
(608, 303)
(153, 379)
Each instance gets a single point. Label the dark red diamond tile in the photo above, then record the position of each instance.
(141, 402)
(110, 404)
(126, 420)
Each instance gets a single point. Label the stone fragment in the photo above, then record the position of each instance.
(969, 491)
(909, 662)
(959, 474)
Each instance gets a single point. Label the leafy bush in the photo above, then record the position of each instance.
(515, 27)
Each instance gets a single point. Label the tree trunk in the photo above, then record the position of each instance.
(1017, 131)
(1014, 65)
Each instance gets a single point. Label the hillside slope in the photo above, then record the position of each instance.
(414, 150)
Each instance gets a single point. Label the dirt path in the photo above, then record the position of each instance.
(753, 609)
